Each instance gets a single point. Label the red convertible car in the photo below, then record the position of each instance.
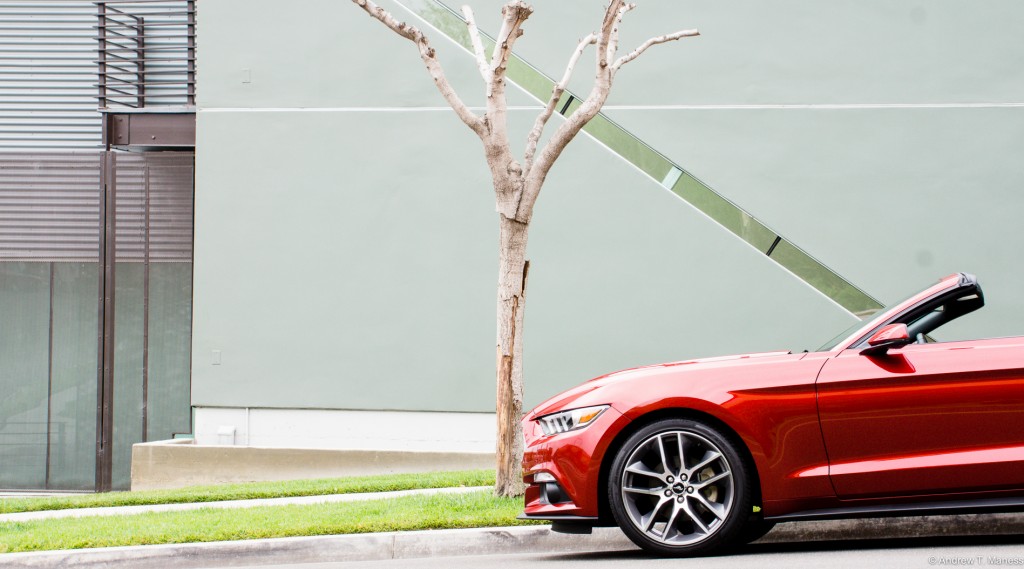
(693, 457)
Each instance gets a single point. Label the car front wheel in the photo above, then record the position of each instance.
(679, 487)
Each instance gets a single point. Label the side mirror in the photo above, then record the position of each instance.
(889, 337)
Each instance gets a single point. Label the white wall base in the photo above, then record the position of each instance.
(180, 463)
(345, 430)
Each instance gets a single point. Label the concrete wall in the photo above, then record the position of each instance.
(345, 234)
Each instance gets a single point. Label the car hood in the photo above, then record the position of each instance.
(564, 400)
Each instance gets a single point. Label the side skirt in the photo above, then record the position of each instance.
(987, 505)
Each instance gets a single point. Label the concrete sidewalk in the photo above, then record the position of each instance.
(484, 541)
(322, 499)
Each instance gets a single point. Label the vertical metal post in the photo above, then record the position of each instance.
(100, 302)
(145, 312)
(105, 386)
(140, 61)
(49, 385)
(190, 79)
(102, 17)
(191, 281)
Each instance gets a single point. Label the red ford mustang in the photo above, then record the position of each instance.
(693, 457)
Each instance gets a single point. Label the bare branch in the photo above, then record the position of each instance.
(556, 95)
(604, 36)
(401, 28)
(607, 41)
(653, 41)
(539, 168)
(429, 58)
(514, 14)
(613, 38)
(505, 170)
(478, 44)
(607, 45)
(553, 149)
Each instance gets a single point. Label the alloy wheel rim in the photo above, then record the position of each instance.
(677, 488)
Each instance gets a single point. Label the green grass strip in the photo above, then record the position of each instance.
(248, 491)
(438, 511)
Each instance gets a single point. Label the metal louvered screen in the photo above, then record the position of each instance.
(48, 75)
(154, 207)
(50, 206)
(62, 61)
(147, 53)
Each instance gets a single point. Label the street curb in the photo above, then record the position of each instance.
(359, 547)
(483, 541)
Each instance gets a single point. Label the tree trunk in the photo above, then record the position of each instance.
(512, 273)
(516, 185)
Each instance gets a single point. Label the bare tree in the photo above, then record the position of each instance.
(517, 183)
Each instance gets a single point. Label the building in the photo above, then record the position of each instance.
(749, 190)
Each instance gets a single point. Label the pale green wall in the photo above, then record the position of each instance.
(919, 136)
(359, 271)
(790, 51)
(889, 198)
(325, 54)
(345, 256)
(345, 233)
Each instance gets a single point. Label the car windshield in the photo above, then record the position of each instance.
(831, 344)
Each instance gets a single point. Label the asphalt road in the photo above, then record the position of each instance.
(922, 553)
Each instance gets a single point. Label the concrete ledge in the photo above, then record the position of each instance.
(180, 463)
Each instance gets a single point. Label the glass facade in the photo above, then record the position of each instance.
(48, 374)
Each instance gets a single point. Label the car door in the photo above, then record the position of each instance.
(932, 418)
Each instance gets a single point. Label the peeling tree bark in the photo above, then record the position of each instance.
(513, 269)
(517, 185)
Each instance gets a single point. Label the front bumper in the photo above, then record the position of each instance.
(572, 460)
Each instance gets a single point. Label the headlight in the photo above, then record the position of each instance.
(571, 420)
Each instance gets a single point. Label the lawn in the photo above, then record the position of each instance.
(319, 487)
(438, 511)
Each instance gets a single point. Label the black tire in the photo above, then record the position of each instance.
(696, 504)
